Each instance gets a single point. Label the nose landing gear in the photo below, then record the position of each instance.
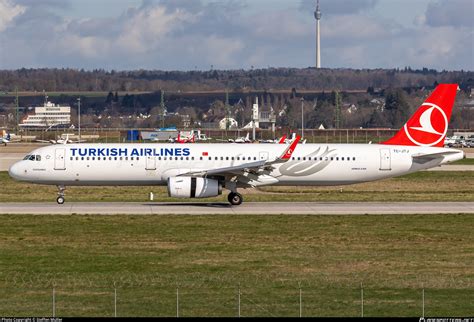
(60, 199)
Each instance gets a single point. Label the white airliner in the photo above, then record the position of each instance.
(203, 170)
(61, 140)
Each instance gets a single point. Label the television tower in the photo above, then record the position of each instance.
(317, 15)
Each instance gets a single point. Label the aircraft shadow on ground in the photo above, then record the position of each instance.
(193, 204)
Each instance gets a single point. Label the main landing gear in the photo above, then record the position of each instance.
(235, 198)
(60, 199)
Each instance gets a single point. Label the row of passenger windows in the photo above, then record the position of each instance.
(200, 158)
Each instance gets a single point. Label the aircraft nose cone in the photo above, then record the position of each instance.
(15, 171)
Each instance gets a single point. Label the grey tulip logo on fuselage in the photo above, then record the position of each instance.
(300, 168)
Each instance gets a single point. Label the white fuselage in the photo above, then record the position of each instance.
(153, 164)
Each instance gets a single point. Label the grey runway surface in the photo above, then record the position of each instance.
(254, 208)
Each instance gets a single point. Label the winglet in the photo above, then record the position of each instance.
(289, 150)
(282, 139)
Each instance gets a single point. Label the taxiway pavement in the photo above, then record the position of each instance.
(253, 208)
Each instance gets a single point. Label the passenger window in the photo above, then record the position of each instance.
(110, 158)
(238, 158)
(320, 158)
(304, 158)
(87, 158)
(342, 158)
(222, 158)
(337, 158)
(255, 158)
(182, 158)
(159, 158)
(71, 158)
(82, 158)
(232, 158)
(299, 158)
(227, 158)
(77, 158)
(115, 158)
(353, 159)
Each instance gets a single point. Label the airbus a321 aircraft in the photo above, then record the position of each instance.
(203, 170)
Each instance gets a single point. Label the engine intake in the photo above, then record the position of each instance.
(188, 187)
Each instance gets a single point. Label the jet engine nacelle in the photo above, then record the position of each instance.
(188, 187)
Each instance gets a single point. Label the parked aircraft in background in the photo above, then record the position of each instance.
(242, 139)
(281, 140)
(185, 139)
(61, 140)
(203, 170)
(7, 138)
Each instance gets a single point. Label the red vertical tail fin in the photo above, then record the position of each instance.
(429, 124)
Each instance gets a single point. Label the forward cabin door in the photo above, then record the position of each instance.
(150, 163)
(385, 159)
(60, 159)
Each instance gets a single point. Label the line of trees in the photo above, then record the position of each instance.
(233, 80)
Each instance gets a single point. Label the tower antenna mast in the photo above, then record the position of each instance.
(317, 15)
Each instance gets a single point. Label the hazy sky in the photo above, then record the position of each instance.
(234, 34)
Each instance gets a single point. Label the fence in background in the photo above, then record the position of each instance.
(239, 301)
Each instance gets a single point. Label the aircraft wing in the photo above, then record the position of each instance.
(250, 167)
(43, 141)
(427, 157)
(227, 171)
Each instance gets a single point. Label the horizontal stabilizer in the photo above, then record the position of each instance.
(427, 157)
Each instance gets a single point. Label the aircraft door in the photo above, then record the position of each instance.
(150, 163)
(263, 156)
(385, 159)
(60, 159)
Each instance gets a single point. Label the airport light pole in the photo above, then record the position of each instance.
(302, 119)
(79, 116)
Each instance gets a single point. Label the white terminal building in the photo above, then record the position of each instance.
(48, 115)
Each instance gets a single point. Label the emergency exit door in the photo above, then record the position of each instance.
(60, 159)
(385, 159)
(263, 156)
(150, 163)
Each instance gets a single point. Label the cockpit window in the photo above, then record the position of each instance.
(32, 157)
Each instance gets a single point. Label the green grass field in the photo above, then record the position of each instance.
(421, 186)
(466, 161)
(208, 257)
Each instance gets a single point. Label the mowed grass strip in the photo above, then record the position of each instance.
(420, 186)
(207, 258)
